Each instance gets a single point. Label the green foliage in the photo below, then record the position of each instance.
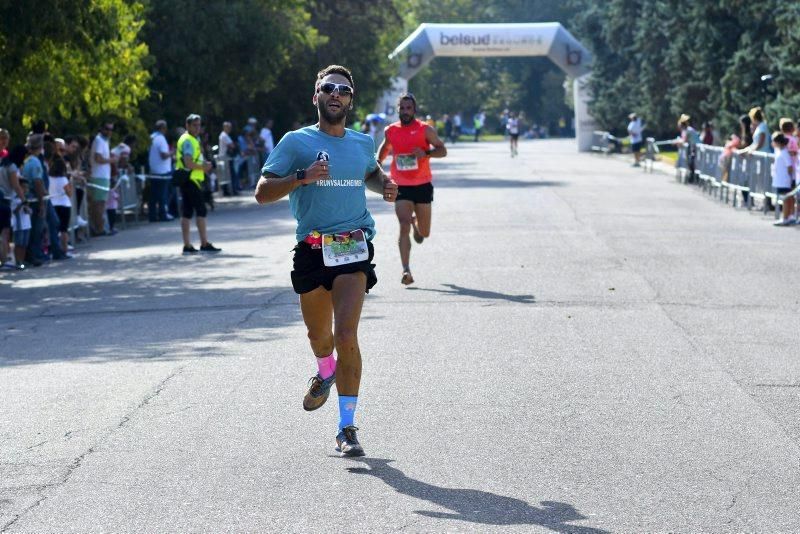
(662, 58)
(215, 58)
(70, 62)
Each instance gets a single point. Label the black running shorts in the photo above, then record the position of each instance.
(310, 271)
(192, 201)
(418, 194)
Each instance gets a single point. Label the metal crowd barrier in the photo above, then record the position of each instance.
(604, 142)
(745, 176)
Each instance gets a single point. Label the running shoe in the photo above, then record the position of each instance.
(782, 222)
(189, 249)
(318, 391)
(347, 442)
(407, 279)
(208, 247)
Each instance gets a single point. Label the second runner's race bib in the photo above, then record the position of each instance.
(341, 249)
(407, 162)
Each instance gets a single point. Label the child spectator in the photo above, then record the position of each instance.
(783, 177)
(21, 224)
(60, 192)
(111, 207)
(789, 131)
(726, 157)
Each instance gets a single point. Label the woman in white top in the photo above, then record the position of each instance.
(61, 197)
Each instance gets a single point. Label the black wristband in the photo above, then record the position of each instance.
(300, 174)
(429, 151)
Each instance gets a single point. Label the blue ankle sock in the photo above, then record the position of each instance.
(347, 410)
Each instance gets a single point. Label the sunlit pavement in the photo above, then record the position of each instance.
(586, 348)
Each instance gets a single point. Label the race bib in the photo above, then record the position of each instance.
(407, 162)
(341, 249)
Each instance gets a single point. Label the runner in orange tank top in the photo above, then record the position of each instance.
(412, 143)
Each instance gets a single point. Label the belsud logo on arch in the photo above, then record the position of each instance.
(459, 41)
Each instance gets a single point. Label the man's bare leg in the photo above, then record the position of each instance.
(405, 214)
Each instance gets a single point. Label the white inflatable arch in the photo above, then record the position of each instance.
(496, 40)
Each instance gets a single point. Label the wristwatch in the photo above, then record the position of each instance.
(300, 174)
(428, 152)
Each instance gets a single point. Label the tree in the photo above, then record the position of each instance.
(70, 63)
(215, 60)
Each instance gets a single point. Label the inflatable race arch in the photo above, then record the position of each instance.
(496, 40)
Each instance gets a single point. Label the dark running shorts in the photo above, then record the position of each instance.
(63, 213)
(310, 271)
(418, 194)
(636, 147)
(514, 136)
(783, 190)
(192, 201)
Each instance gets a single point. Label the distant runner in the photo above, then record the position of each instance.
(324, 169)
(412, 144)
(512, 125)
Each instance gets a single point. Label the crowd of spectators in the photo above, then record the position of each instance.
(57, 191)
(752, 138)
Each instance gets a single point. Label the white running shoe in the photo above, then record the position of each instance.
(81, 222)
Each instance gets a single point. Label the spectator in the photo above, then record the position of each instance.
(33, 172)
(78, 169)
(21, 225)
(10, 189)
(448, 128)
(122, 154)
(191, 161)
(745, 130)
(456, 126)
(100, 158)
(267, 139)
(783, 178)
(708, 133)
(726, 157)
(60, 191)
(760, 142)
(227, 151)
(635, 129)
(788, 130)
(688, 139)
(160, 162)
(479, 120)
(430, 122)
(51, 147)
(246, 149)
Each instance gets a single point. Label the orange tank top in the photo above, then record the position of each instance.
(406, 168)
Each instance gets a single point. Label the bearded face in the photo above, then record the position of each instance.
(333, 105)
(406, 111)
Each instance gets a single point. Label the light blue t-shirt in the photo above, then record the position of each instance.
(32, 170)
(763, 129)
(327, 206)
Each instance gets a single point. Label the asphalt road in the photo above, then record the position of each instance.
(587, 348)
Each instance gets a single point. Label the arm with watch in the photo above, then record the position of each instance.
(271, 187)
(438, 150)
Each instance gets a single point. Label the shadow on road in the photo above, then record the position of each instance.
(478, 293)
(476, 506)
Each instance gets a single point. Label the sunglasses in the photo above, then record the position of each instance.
(328, 88)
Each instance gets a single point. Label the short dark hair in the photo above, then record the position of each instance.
(407, 96)
(780, 139)
(336, 69)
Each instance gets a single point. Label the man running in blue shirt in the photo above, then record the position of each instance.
(325, 169)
